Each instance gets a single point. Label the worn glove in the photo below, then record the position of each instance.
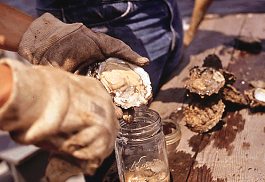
(60, 111)
(48, 41)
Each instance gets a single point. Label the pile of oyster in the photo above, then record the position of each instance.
(128, 84)
(209, 89)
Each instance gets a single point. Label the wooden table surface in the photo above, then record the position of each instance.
(235, 151)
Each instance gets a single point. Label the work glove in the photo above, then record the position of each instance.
(48, 41)
(59, 111)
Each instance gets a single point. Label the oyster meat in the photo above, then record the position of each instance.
(205, 81)
(256, 97)
(129, 84)
(202, 115)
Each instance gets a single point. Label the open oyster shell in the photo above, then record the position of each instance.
(256, 97)
(231, 94)
(201, 115)
(205, 81)
(129, 84)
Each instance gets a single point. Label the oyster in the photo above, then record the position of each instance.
(256, 97)
(201, 115)
(128, 115)
(232, 95)
(213, 61)
(129, 84)
(205, 81)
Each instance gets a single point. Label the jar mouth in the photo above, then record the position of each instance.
(171, 131)
(146, 122)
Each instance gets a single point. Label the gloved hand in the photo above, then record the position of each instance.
(48, 41)
(60, 111)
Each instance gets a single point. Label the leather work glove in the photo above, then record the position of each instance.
(48, 41)
(59, 111)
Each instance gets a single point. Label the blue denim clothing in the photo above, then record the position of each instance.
(152, 28)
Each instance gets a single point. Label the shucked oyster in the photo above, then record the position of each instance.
(256, 97)
(202, 115)
(129, 84)
(205, 81)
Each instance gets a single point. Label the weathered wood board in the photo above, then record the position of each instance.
(236, 152)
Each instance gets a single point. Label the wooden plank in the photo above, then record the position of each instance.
(229, 27)
(236, 152)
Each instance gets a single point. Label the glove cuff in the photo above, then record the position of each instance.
(10, 113)
(28, 102)
(41, 34)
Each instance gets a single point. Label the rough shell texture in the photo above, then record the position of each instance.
(201, 116)
(256, 97)
(230, 78)
(231, 94)
(205, 81)
(129, 84)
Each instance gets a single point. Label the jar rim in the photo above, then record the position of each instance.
(147, 127)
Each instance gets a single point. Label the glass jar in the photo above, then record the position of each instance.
(172, 134)
(140, 149)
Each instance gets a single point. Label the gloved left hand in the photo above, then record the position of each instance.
(48, 41)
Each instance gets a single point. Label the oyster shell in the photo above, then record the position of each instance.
(232, 95)
(201, 115)
(257, 83)
(213, 61)
(230, 78)
(256, 97)
(205, 81)
(129, 84)
(259, 94)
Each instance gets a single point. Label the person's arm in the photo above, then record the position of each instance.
(5, 83)
(13, 24)
(198, 13)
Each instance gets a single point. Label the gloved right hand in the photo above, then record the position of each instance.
(48, 41)
(60, 111)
